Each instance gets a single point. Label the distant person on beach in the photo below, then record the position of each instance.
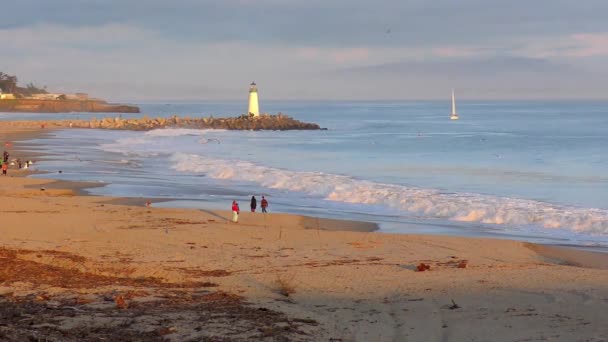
(264, 204)
(254, 204)
(4, 168)
(235, 212)
(5, 155)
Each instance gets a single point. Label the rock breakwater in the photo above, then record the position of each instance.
(278, 122)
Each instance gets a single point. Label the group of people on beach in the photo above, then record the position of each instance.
(253, 205)
(6, 162)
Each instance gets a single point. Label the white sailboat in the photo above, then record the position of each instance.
(454, 115)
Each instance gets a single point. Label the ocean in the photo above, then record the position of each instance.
(533, 171)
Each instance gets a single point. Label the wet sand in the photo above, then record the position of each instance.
(571, 256)
(77, 268)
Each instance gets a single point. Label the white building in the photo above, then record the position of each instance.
(47, 96)
(77, 96)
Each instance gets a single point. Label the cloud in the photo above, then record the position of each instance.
(592, 44)
(204, 49)
(337, 23)
(107, 36)
(333, 55)
(486, 77)
(574, 45)
(460, 67)
(122, 61)
(454, 51)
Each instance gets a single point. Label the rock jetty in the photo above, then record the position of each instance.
(279, 122)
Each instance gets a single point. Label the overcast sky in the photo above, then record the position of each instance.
(314, 49)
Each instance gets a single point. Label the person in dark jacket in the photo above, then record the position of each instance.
(254, 204)
(264, 204)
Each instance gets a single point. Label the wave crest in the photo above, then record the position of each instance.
(464, 207)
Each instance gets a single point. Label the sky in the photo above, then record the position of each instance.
(152, 50)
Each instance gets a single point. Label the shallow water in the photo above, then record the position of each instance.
(528, 170)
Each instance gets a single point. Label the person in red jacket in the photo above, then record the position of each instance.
(235, 212)
(264, 204)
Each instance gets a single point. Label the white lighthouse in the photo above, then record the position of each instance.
(254, 106)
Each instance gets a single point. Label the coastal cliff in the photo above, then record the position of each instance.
(63, 106)
(279, 122)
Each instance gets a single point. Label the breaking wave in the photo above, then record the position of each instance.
(464, 207)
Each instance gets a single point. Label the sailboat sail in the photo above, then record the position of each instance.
(454, 115)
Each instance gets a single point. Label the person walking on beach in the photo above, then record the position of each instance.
(254, 204)
(6, 156)
(264, 204)
(4, 168)
(235, 212)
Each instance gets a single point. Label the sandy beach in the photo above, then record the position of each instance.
(78, 268)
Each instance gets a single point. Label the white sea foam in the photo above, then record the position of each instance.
(461, 207)
(155, 142)
(120, 146)
(464, 207)
(175, 132)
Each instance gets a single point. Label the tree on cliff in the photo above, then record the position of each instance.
(31, 89)
(8, 83)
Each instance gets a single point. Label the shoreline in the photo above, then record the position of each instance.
(571, 256)
(80, 267)
(22, 133)
(524, 218)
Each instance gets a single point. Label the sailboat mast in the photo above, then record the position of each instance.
(453, 103)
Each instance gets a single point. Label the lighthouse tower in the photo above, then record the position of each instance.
(254, 107)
